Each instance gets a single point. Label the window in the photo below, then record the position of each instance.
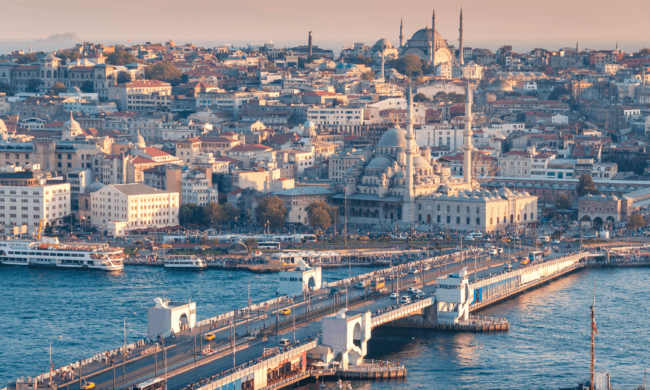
(458, 220)
(478, 221)
(448, 219)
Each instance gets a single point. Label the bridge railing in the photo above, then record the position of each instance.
(270, 362)
(401, 311)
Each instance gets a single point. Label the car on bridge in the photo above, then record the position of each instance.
(405, 299)
(394, 296)
(334, 291)
(209, 337)
(285, 312)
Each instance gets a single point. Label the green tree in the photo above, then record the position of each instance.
(251, 244)
(120, 57)
(124, 77)
(320, 216)
(87, 87)
(557, 92)
(269, 65)
(635, 221)
(6, 88)
(410, 65)
(564, 203)
(368, 76)
(190, 214)
(58, 88)
(228, 213)
(643, 52)
(420, 97)
(271, 209)
(163, 71)
(33, 85)
(70, 56)
(26, 58)
(586, 186)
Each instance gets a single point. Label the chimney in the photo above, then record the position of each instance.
(310, 45)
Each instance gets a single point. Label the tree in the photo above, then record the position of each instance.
(70, 56)
(124, 77)
(320, 216)
(564, 203)
(635, 221)
(190, 214)
(120, 57)
(217, 214)
(27, 58)
(58, 88)
(271, 210)
(643, 52)
(557, 92)
(163, 71)
(269, 65)
(33, 85)
(420, 97)
(251, 244)
(368, 76)
(6, 88)
(87, 87)
(586, 186)
(410, 65)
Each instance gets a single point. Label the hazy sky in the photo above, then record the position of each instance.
(505, 21)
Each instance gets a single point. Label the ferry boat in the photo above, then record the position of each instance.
(49, 253)
(186, 262)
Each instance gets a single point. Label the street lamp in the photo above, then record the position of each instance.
(189, 311)
(124, 352)
(57, 338)
(249, 302)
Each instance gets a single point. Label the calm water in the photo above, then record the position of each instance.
(547, 346)
(88, 308)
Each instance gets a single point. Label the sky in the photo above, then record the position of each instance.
(544, 22)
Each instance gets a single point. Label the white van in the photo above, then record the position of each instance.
(405, 299)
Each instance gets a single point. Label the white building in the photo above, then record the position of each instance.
(167, 316)
(304, 278)
(196, 188)
(443, 135)
(139, 205)
(141, 95)
(27, 197)
(346, 119)
(90, 107)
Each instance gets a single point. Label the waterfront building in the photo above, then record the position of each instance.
(137, 205)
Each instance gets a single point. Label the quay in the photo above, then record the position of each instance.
(331, 332)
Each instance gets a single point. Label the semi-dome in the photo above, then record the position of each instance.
(420, 162)
(393, 138)
(74, 90)
(309, 125)
(139, 141)
(71, 125)
(380, 162)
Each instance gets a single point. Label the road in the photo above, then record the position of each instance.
(183, 346)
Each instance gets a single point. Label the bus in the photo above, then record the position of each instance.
(151, 384)
(268, 245)
(535, 255)
(309, 238)
(377, 284)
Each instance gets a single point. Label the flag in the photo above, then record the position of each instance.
(593, 325)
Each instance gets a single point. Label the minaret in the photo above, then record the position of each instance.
(643, 80)
(383, 59)
(577, 48)
(409, 195)
(461, 58)
(467, 134)
(401, 33)
(310, 44)
(617, 46)
(433, 41)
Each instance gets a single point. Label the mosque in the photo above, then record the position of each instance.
(400, 184)
(427, 44)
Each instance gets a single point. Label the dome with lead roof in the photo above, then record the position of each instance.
(393, 138)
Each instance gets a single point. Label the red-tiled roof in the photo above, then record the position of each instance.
(142, 160)
(153, 152)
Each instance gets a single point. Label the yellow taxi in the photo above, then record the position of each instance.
(208, 337)
(285, 312)
(88, 386)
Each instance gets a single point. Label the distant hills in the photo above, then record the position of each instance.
(51, 43)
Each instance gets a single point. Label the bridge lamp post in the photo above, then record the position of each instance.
(189, 311)
(56, 338)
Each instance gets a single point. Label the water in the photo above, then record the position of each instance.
(548, 343)
(546, 347)
(87, 308)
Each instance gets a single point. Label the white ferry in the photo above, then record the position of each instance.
(50, 253)
(187, 262)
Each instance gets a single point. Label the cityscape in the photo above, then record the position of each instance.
(418, 209)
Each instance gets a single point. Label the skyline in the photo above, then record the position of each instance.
(501, 21)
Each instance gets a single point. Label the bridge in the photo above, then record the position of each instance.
(344, 332)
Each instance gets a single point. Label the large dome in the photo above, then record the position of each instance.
(393, 138)
(380, 162)
(422, 37)
(420, 162)
(382, 44)
(500, 85)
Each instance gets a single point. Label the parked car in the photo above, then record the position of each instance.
(394, 296)
(405, 299)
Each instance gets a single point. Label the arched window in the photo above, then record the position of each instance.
(478, 211)
(42, 74)
(467, 209)
(448, 208)
(438, 207)
(49, 74)
(86, 203)
(458, 209)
